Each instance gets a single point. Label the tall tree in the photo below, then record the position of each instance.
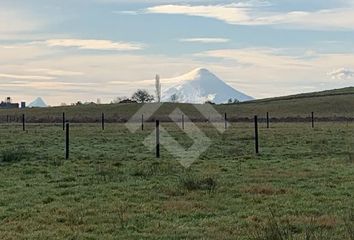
(158, 88)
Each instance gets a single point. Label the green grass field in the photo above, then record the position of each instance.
(301, 186)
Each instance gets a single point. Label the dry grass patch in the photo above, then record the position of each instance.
(324, 221)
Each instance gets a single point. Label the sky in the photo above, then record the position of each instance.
(83, 50)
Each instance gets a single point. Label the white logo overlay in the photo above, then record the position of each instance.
(186, 156)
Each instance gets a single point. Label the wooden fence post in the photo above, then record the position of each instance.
(157, 139)
(256, 134)
(23, 122)
(67, 140)
(102, 121)
(225, 118)
(313, 119)
(267, 119)
(142, 122)
(182, 121)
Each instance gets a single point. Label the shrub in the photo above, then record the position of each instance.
(191, 183)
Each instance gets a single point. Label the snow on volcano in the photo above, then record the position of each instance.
(199, 86)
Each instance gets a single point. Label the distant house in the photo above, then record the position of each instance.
(7, 104)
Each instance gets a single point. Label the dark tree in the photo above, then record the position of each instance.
(142, 96)
(174, 98)
(209, 102)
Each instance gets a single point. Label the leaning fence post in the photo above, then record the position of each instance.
(157, 139)
(23, 122)
(67, 139)
(64, 120)
(256, 134)
(313, 119)
(102, 120)
(267, 119)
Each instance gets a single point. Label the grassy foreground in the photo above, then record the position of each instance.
(301, 186)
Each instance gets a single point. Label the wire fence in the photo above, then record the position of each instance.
(68, 139)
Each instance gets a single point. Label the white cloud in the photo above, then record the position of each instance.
(227, 13)
(42, 85)
(40, 71)
(341, 74)
(93, 44)
(252, 14)
(258, 57)
(205, 40)
(128, 12)
(266, 72)
(259, 72)
(56, 72)
(27, 77)
(14, 21)
(161, 1)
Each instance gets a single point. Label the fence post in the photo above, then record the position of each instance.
(64, 120)
(256, 134)
(67, 139)
(182, 121)
(102, 120)
(142, 122)
(157, 139)
(225, 118)
(267, 119)
(7, 118)
(313, 119)
(23, 122)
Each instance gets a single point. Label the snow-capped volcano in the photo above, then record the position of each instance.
(38, 103)
(199, 86)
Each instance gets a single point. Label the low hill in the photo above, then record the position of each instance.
(336, 103)
(327, 93)
(328, 105)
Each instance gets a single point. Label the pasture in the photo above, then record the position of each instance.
(300, 186)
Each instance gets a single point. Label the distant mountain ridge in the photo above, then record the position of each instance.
(199, 86)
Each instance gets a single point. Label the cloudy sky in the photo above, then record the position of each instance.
(71, 50)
